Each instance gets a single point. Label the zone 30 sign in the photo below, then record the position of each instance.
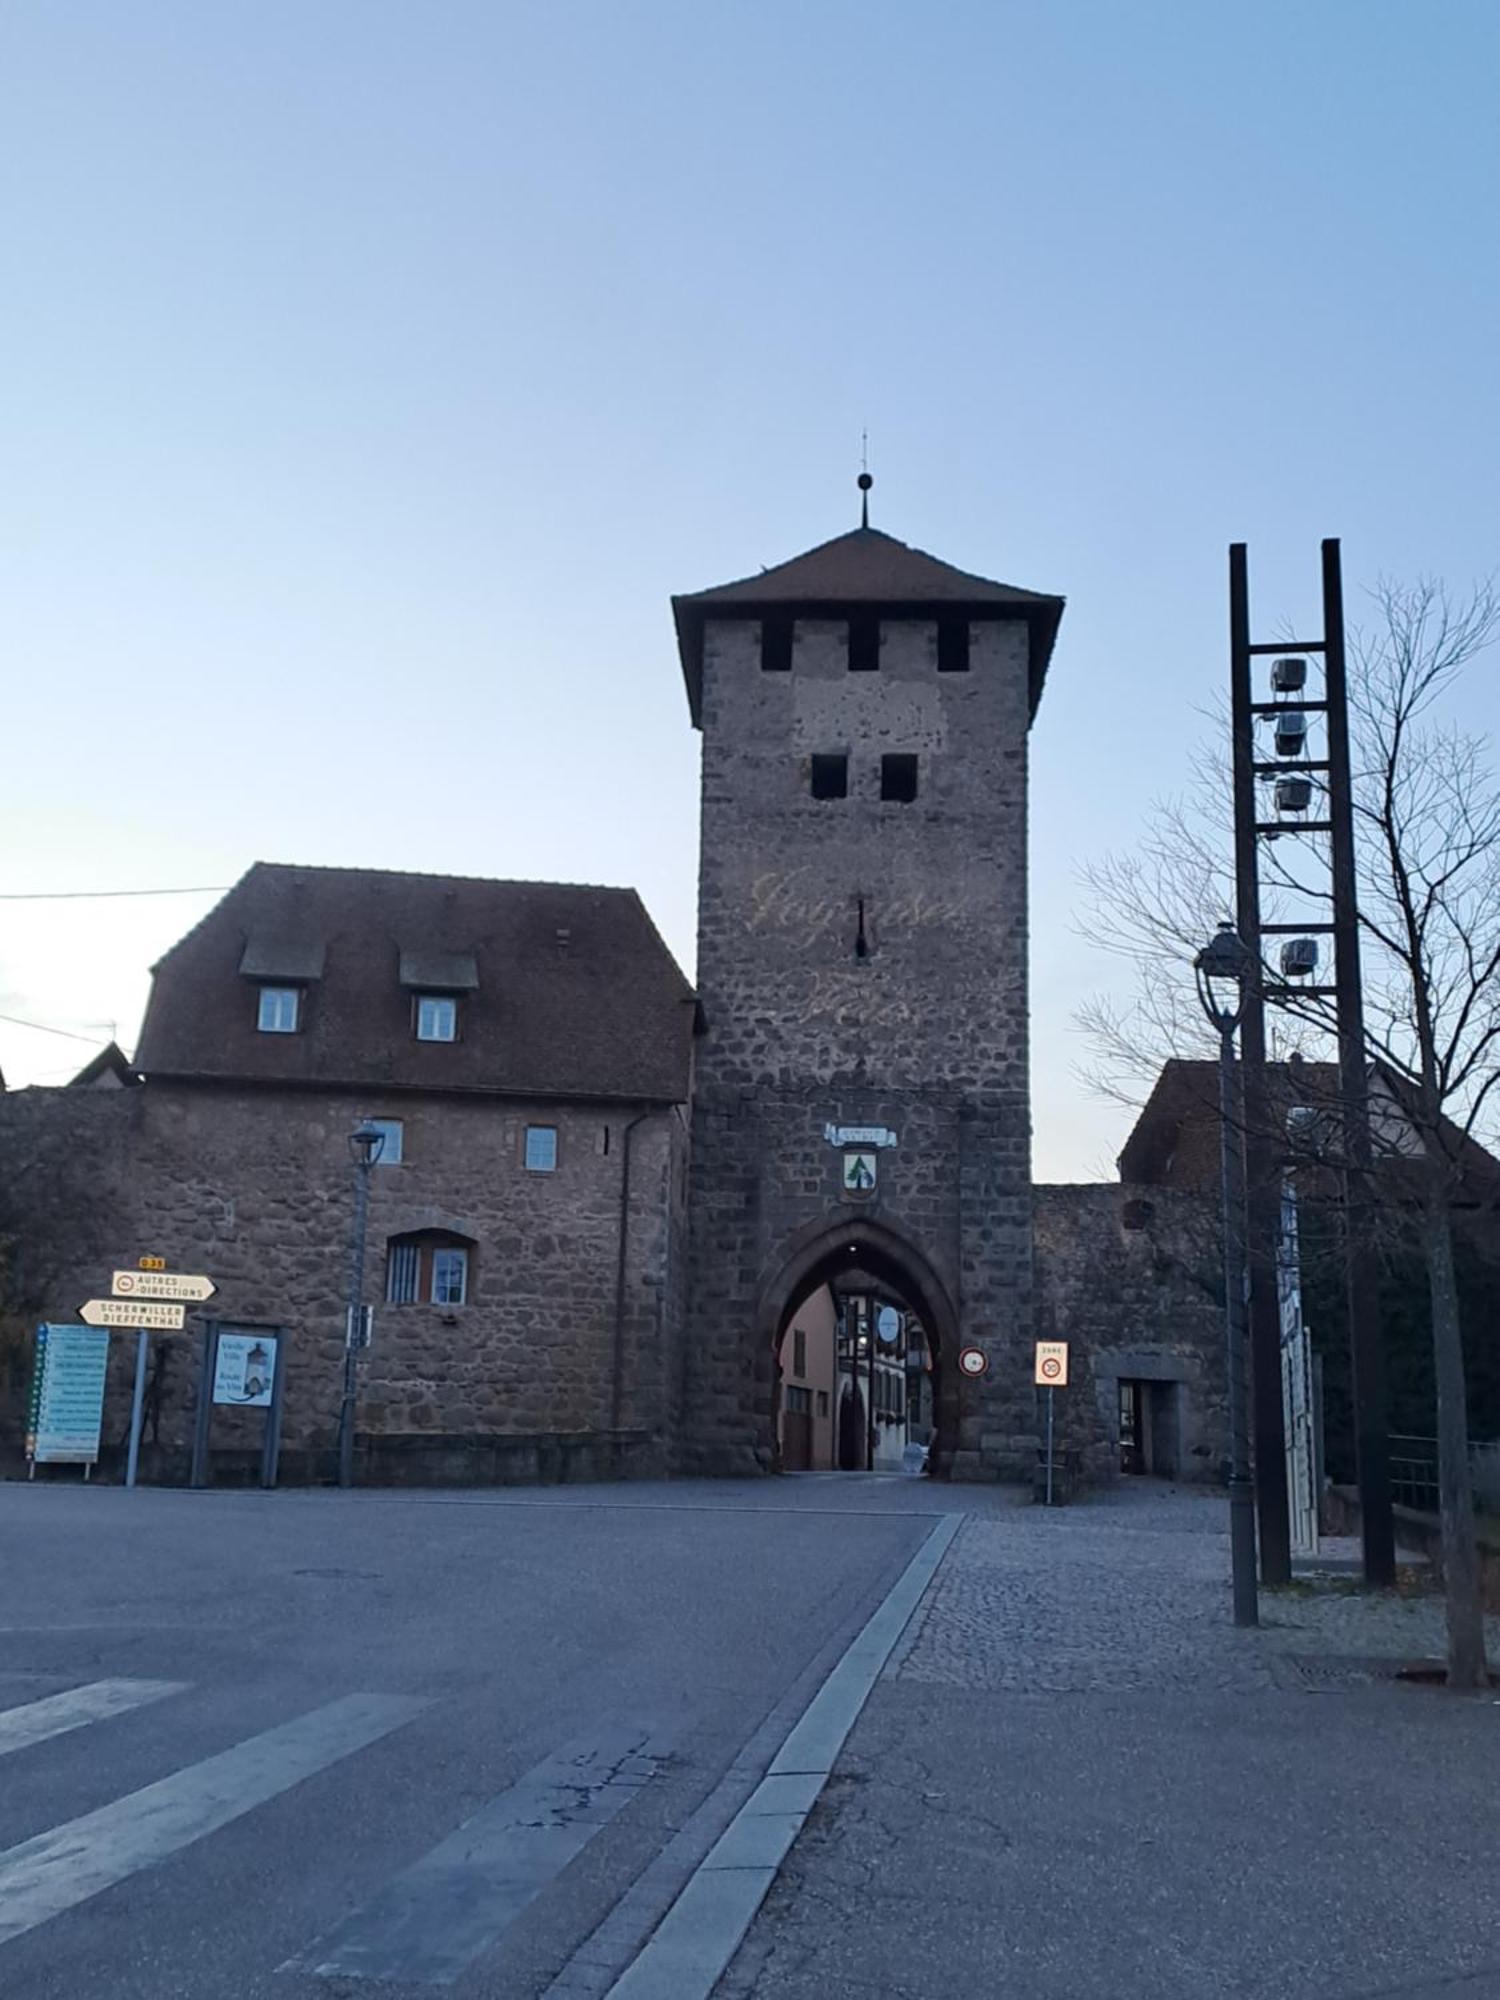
(1052, 1364)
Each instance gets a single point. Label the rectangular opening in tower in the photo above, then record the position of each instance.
(776, 645)
(864, 643)
(830, 775)
(898, 776)
(953, 645)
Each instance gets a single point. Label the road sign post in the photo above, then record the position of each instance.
(137, 1405)
(150, 1297)
(1051, 1374)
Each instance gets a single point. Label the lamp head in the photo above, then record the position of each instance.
(1223, 967)
(366, 1143)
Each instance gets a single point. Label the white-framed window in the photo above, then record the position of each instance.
(390, 1133)
(280, 1010)
(541, 1149)
(437, 1017)
(429, 1267)
(450, 1277)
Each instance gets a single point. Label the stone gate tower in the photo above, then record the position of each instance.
(862, 944)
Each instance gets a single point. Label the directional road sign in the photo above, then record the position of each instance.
(160, 1285)
(133, 1312)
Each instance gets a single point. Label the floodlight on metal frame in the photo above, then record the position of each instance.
(1299, 958)
(1291, 732)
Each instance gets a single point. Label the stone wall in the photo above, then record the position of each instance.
(557, 1343)
(862, 962)
(1131, 1278)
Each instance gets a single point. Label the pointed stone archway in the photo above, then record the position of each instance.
(856, 1240)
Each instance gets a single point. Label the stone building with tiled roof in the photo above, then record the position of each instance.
(600, 1200)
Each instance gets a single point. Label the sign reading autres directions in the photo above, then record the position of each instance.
(161, 1285)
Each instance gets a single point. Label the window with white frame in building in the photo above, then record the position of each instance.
(280, 1010)
(436, 1017)
(431, 1267)
(388, 1153)
(540, 1154)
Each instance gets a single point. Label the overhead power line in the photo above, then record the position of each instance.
(72, 1035)
(96, 895)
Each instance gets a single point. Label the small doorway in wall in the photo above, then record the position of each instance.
(1149, 1429)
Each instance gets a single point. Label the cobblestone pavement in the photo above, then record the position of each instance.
(1131, 1590)
(1079, 1782)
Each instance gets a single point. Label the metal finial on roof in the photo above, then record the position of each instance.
(864, 482)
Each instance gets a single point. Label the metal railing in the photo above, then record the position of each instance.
(1414, 1474)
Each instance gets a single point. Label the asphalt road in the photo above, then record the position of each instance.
(287, 1744)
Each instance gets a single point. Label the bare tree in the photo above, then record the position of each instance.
(1427, 810)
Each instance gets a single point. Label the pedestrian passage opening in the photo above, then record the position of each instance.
(856, 1362)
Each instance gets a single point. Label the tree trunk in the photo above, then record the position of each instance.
(1467, 1668)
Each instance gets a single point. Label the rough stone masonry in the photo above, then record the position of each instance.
(862, 931)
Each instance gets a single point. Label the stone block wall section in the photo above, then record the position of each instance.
(1131, 1278)
(558, 1347)
(862, 961)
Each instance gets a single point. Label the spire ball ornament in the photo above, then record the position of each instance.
(864, 483)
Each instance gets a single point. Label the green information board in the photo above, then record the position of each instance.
(66, 1412)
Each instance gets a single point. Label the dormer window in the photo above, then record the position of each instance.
(280, 1011)
(436, 1017)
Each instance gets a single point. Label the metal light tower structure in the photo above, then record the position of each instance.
(1225, 970)
(1330, 778)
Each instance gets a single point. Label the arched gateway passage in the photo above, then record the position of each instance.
(856, 1266)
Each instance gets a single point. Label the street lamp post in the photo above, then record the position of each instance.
(1223, 968)
(366, 1143)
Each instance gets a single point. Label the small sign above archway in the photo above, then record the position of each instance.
(860, 1169)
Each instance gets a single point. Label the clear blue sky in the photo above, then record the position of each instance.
(374, 372)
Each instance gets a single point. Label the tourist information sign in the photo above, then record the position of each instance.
(159, 1317)
(66, 1411)
(160, 1285)
(245, 1370)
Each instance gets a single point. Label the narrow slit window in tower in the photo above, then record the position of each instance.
(864, 643)
(776, 645)
(953, 645)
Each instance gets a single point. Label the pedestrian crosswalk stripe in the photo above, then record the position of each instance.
(55, 1714)
(427, 1924)
(43, 1877)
